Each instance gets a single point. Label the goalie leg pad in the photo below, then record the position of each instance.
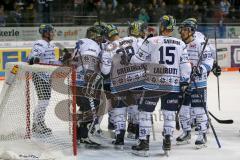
(185, 119)
(145, 124)
(169, 122)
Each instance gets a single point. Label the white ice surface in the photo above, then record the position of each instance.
(228, 134)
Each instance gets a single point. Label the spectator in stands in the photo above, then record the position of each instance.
(225, 5)
(15, 17)
(143, 16)
(2, 16)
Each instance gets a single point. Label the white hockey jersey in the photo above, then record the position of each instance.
(87, 53)
(44, 51)
(167, 63)
(194, 50)
(200, 36)
(123, 77)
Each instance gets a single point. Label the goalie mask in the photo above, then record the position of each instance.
(137, 29)
(167, 22)
(95, 33)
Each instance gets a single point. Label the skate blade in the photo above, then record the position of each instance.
(141, 153)
(92, 146)
(184, 142)
(201, 146)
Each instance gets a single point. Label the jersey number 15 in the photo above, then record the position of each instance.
(166, 51)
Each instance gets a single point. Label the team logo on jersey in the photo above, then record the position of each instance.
(192, 45)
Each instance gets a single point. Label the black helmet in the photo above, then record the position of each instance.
(94, 33)
(189, 23)
(45, 28)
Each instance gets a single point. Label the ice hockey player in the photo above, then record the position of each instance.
(123, 77)
(86, 56)
(168, 72)
(137, 29)
(216, 69)
(42, 52)
(194, 47)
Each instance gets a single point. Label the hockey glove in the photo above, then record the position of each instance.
(216, 69)
(197, 71)
(33, 60)
(185, 88)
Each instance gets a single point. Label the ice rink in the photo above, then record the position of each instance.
(228, 134)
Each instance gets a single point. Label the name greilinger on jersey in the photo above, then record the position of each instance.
(126, 70)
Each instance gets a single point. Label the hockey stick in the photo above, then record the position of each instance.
(207, 113)
(215, 39)
(226, 121)
(191, 78)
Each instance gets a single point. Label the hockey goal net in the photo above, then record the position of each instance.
(38, 111)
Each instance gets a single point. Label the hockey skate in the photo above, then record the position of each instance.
(184, 138)
(89, 143)
(119, 141)
(142, 148)
(41, 128)
(201, 141)
(166, 145)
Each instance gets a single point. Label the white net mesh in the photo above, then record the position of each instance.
(36, 110)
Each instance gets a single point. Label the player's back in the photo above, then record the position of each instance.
(88, 46)
(165, 50)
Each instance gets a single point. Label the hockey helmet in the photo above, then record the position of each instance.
(167, 22)
(112, 30)
(45, 28)
(94, 33)
(190, 23)
(137, 28)
(103, 25)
